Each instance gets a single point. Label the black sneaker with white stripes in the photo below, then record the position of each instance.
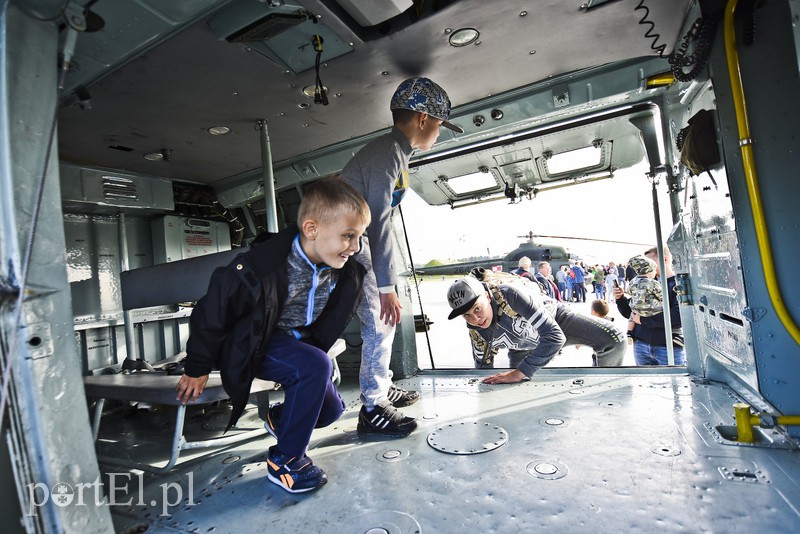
(400, 397)
(386, 421)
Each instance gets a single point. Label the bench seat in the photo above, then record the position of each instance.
(155, 388)
(159, 388)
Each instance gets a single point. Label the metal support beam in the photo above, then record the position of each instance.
(48, 432)
(662, 270)
(270, 209)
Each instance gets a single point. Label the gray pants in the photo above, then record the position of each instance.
(606, 339)
(377, 337)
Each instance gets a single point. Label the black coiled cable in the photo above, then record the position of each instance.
(679, 139)
(702, 33)
(748, 12)
(650, 33)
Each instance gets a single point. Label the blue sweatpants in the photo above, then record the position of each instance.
(310, 397)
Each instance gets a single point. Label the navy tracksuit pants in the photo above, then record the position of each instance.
(310, 397)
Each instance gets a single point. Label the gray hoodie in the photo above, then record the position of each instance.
(379, 171)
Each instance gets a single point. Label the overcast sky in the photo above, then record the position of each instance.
(619, 209)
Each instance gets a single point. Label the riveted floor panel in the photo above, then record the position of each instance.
(582, 453)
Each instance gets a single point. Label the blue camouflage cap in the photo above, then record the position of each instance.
(424, 96)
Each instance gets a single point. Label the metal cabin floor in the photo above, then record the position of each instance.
(613, 453)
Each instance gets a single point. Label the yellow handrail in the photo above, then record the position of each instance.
(751, 179)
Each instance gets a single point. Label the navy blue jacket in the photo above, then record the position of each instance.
(232, 324)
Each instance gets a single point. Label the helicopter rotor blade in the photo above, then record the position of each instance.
(592, 239)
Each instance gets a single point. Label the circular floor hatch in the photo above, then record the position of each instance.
(472, 437)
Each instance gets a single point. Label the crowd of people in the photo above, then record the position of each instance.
(635, 289)
(574, 281)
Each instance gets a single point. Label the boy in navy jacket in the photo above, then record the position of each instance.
(272, 313)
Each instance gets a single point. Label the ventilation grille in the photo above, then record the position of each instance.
(116, 188)
(266, 27)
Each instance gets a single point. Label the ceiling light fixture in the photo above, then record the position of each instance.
(464, 37)
(219, 130)
(165, 154)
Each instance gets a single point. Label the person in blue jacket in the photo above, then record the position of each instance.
(579, 275)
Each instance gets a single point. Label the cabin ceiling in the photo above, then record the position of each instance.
(157, 77)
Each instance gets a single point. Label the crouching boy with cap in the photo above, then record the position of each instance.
(272, 313)
(379, 171)
(533, 327)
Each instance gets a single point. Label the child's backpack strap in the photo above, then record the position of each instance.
(495, 278)
(483, 346)
(503, 307)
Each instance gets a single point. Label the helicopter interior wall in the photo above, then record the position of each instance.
(93, 270)
(45, 366)
(707, 263)
(769, 71)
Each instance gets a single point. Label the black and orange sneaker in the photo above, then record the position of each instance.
(400, 397)
(385, 420)
(273, 419)
(295, 475)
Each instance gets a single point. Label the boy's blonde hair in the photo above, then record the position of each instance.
(329, 199)
(600, 307)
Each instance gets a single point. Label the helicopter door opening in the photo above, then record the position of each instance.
(593, 222)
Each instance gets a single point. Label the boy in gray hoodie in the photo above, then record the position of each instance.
(379, 171)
